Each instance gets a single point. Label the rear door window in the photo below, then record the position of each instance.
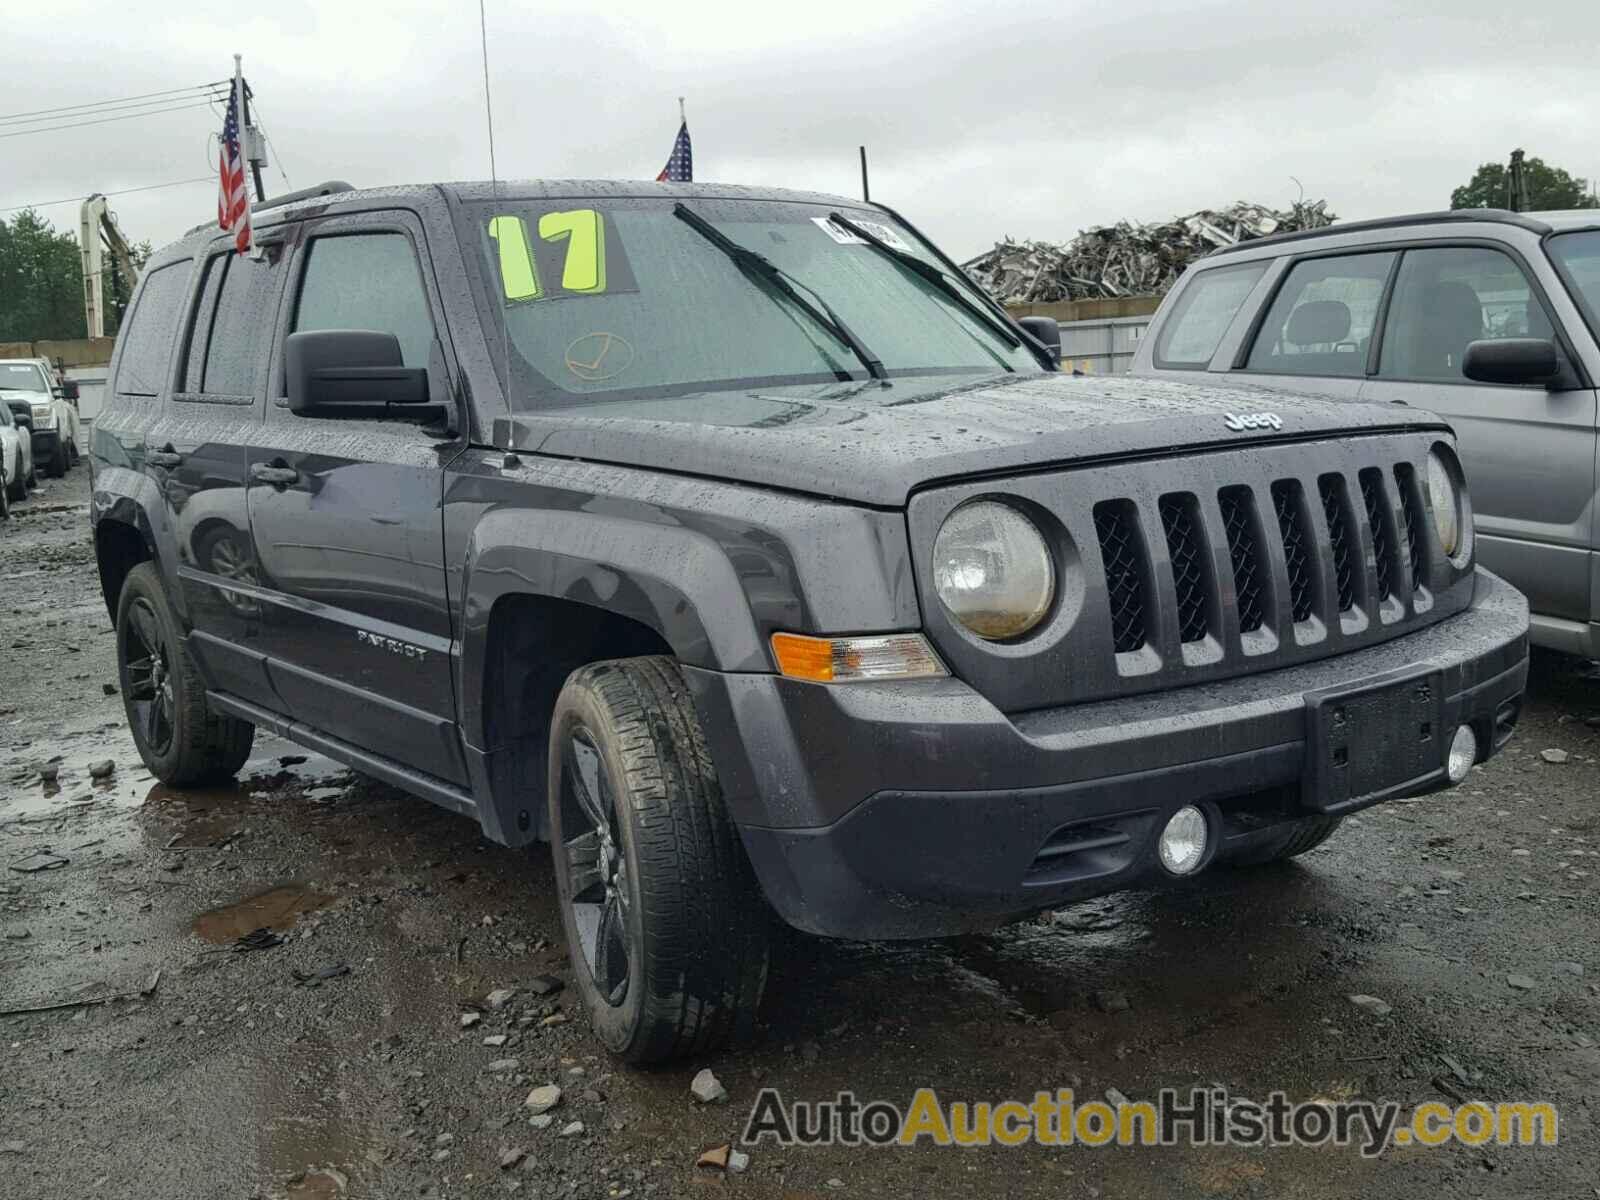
(145, 361)
(367, 281)
(1448, 296)
(1321, 321)
(243, 323)
(1202, 314)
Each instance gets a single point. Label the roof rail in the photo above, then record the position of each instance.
(1498, 216)
(331, 187)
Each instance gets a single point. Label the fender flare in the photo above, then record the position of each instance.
(124, 496)
(676, 581)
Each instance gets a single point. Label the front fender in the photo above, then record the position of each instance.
(677, 582)
(713, 568)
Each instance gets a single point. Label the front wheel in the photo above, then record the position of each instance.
(1296, 838)
(664, 921)
(58, 461)
(17, 489)
(180, 738)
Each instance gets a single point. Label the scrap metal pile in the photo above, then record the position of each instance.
(1127, 259)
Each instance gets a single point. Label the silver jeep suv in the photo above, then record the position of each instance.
(1489, 318)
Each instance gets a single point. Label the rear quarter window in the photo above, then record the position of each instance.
(1202, 313)
(145, 352)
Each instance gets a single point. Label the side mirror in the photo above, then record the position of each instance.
(352, 373)
(69, 390)
(21, 413)
(1047, 332)
(1512, 360)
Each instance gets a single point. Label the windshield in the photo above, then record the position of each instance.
(1577, 255)
(22, 377)
(626, 299)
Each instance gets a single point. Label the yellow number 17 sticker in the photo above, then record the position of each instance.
(583, 272)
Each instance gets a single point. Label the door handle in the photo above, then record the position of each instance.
(276, 474)
(164, 458)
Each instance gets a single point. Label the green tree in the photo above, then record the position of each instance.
(41, 281)
(119, 290)
(1548, 188)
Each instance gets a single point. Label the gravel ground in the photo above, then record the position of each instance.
(347, 1060)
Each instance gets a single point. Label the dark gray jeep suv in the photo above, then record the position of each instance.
(733, 543)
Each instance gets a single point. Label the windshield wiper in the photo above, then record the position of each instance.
(943, 282)
(759, 267)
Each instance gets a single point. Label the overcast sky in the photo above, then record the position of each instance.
(1033, 120)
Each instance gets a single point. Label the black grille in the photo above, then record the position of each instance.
(1189, 557)
(1340, 535)
(1372, 495)
(1296, 551)
(1245, 553)
(1116, 525)
(1405, 480)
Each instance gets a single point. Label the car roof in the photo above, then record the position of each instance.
(1540, 223)
(335, 196)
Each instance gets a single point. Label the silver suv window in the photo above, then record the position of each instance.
(1322, 319)
(1449, 296)
(1577, 255)
(1202, 314)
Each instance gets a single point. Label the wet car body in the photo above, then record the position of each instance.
(406, 589)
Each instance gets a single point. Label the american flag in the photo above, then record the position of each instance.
(233, 194)
(680, 166)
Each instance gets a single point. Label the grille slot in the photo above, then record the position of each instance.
(1117, 526)
(1244, 549)
(1336, 507)
(1287, 501)
(1374, 498)
(1186, 549)
(1405, 479)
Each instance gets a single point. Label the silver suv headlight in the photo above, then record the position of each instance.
(1444, 498)
(44, 416)
(992, 570)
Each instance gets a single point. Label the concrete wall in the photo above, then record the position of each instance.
(1089, 310)
(78, 352)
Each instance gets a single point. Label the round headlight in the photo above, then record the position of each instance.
(1445, 500)
(992, 570)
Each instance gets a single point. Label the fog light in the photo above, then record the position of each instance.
(1463, 753)
(1183, 842)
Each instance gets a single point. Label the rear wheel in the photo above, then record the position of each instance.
(664, 921)
(1295, 838)
(180, 738)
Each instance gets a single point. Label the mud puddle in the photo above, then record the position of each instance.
(276, 909)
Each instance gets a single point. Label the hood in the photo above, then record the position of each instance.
(869, 445)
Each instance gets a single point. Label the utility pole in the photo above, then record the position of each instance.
(249, 136)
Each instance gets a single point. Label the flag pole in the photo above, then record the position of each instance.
(682, 118)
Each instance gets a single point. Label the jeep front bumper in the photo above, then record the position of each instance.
(894, 810)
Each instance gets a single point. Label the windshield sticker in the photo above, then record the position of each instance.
(570, 256)
(838, 232)
(845, 237)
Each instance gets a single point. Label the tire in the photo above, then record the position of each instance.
(17, 489)
(58, 461)
(668, 884)
(179, 738)
(33, 474)
(1297, 837)
(5, 503)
